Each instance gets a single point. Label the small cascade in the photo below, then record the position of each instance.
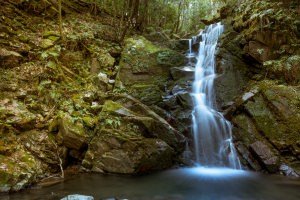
(190, 46)
(212, 133)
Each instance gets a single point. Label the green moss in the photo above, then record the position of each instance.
(170, 58)
(140, 44)
(111, 106)
(265, 120)
(89, 121)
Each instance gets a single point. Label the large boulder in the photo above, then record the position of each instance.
(72, 134)
(127, 153)
(265, 156)
(131, 138)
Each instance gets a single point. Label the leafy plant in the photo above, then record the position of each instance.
(114, 122)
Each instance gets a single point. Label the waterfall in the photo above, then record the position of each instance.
(212, 133)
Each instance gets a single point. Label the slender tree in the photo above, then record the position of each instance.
(60, 19)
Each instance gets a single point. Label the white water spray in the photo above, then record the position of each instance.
(213, 145)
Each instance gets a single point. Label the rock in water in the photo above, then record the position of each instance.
(77, 197)
(265, 156)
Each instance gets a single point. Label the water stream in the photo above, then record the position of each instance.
(213, 145)
(177, 184)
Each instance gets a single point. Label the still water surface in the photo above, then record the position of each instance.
(176, 184)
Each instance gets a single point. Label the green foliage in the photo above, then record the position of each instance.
(174, 15)
(113, 122)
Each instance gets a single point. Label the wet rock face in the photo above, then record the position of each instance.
(258, 86)
(269, 116)
(144, 68)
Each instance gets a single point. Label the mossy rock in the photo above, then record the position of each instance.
(145, 67)
(286, 69)
(19, 169)
(16, 114)
(72, 133)
(127, 112)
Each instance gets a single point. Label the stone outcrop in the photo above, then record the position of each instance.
(131, 139)
(145, 68)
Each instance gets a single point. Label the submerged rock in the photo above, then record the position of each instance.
(77, 197)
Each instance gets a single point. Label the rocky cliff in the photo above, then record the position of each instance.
(258, 90)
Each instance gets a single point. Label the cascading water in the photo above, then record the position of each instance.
(213, 145)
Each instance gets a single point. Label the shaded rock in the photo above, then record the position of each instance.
(150, 124)
(72, 134)
(251, 162)
(185, 100)
(265, 156)
(185, 72)
(148, 93)
(9, 59)
(264, 119)
(287, 69)
(131, 139)
(288, 171)
(258, 51)
(16, 114)
(102, 61)
(238, 103)
(127, 153)
(44, 147)
(268, 113)
(232, 69)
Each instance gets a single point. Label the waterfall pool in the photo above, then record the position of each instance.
(176, 184)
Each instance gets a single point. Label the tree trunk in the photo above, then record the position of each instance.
(60, 19)
(176, 27)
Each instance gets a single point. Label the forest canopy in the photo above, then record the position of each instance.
(174, 15)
